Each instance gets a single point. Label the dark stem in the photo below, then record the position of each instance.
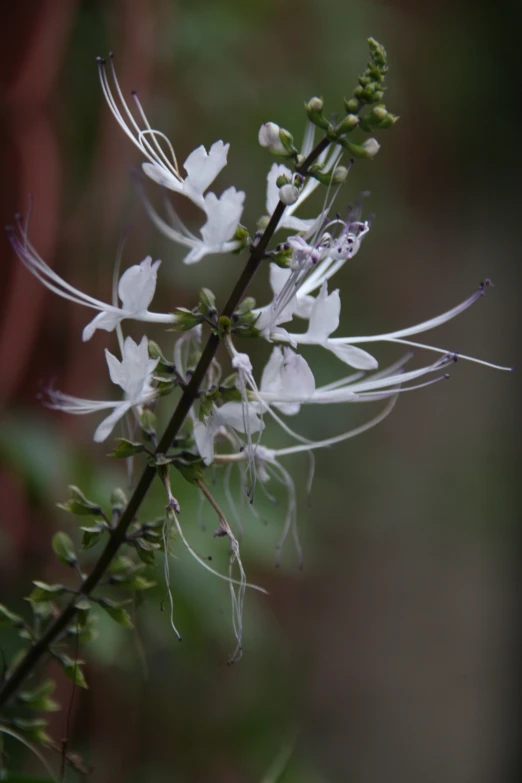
(190, 393)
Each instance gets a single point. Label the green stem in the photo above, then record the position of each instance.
(190, 393)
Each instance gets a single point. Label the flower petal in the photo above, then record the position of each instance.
(162, 177)
(354, 357)
(104, 320)
(202, 168)
(324, 318)
(223, 215)
(233, 414)
(104, 429)
(137, 285)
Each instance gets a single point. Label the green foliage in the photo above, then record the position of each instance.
(44, 592)
(9, 618)
(116, 611)
(127, 448)
(78, 504)
(72, 669)
(39, 698)
(64, 549)
(92, 534)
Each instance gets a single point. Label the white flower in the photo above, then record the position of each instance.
(223, 216)
(324, 320)
(272, 199)
(310, 266)
(234, 415)
(287, 380)
(270, 139)
(201, 167)
(133, 374)
(135, 289)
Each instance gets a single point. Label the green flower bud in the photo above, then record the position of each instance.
(351, 106)
(185, 320)
(350, 122)
(118, 500)
(314, 110)
(207, 304)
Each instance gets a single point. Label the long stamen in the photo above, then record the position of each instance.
(425, 325)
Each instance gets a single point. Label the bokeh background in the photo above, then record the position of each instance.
(396, 654)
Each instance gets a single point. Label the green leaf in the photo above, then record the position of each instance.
(126, 448)
(191, 473)
(33, 728)
(64, 549)
(133, 582)
(45, 592)
(78, 504)
(148, 422)
(92, 534)
(116, 611)
(39, 698)
(9, 618)
(144, 550)
(123, 563)
(72, 669)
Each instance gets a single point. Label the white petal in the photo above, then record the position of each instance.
(272, 190)
(204, 437)
(223, 216)
(163, 177)
(232, 414)
(202, 168)
(324, 318)
(106, 427)
(137, 285)
(115, 368)
(105, 320)
(278, 277)
(297, 379)
(271, 377)
(354, 357)
(136, 368)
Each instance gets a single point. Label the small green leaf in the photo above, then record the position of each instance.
(126, 448)
(45, 592)
(92, 534)
(64, 549)
(116, 611)
(72, 669)
(122, 563)
(191, 473)
(133, 582)
(78, 504)
(144, 550)
(83, 605)
(9, 618)
(148, 422)
(39, 698)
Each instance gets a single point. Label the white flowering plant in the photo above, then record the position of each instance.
(223, 415)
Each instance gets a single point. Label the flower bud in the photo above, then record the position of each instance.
(269, 138)
(339, 175)
(351, 106)
(314, 110)
(368, 149)
(350, 122)
(277, 140)
(288, 194)
(372, 147)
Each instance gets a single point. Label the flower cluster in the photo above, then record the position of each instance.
(227, 422)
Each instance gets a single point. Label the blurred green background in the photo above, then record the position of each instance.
(396, 654)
